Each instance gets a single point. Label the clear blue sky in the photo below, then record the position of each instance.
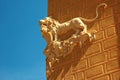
(21, 42)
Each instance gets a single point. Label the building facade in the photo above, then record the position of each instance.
(99, 60)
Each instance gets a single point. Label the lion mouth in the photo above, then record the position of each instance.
(44, 29)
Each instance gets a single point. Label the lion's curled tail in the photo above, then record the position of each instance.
(90, 20)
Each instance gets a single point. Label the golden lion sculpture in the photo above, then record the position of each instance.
(51, 28)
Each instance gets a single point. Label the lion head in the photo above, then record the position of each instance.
(46, 28)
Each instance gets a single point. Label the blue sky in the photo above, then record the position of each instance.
(21, 42)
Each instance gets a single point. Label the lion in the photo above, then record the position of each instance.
(54, 28)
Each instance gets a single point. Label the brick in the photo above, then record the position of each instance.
(95, 26)
(110, 43)
(99, 35)
(117, 8)
(114, 52)
(108, 11)
(110, 31)
(118, 28)
(94, 71)
(110, 2)
(116, 75)
(111, 65)
(95, 48)
(80, 76)
(77, 65)
(97, 58)
(70, 77)
(102, 78)
(117, 18)
(106, 22)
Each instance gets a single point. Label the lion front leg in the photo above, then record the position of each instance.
(93, 36)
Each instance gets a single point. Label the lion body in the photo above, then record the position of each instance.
(74, 24)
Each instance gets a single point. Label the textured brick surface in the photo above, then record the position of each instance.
(116, 75)
(95, 26)
(118, 28)
(95, 48)
(111, 65)
(116, 8)
(70, 77)
(80, 76)
(110, 42)
(110, 31)
(102, 78)
(100, 35)
(97, 58)
(107, 22)
(81, 65)
(115, 52)
(108, 12)
(101, 60)
(117, 18)
(94, 71)
(111, 2)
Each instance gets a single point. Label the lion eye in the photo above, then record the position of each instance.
(45, 24)
(49, 23)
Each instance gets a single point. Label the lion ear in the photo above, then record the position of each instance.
(50, 16)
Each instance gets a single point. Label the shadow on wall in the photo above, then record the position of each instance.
(65, 64)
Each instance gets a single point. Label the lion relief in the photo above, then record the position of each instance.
(51, 29)
(54, 28)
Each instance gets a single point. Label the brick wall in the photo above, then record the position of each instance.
(100, 60)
